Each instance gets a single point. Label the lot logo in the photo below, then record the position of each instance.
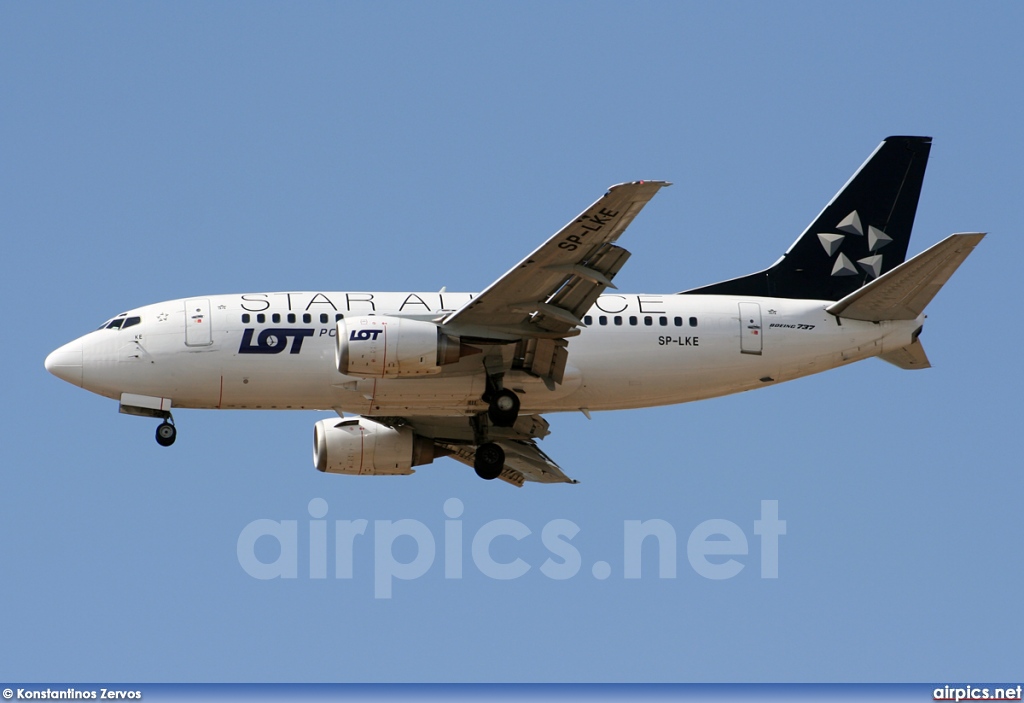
(363, 335)
(273, 340)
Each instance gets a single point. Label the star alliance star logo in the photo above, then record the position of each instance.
(833, 242)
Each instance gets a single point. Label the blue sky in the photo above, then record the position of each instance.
(162, 150)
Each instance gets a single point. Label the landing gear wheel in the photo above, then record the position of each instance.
(166, 434)
(503, 409)
(490, 460)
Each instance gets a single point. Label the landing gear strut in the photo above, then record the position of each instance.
(490, 460)
(166, 433)
(502, 411)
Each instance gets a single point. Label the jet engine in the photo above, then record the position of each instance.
(392, 347)
(366, 448)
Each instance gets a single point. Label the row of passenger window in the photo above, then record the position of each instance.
(290, 317)
(587, 319)
(634, 320)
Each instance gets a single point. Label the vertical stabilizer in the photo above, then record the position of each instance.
(860, 235)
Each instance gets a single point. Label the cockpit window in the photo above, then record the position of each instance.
(120, 322)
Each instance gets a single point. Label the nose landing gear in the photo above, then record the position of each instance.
(146, 406)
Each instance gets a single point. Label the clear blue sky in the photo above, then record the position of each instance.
(151, 151)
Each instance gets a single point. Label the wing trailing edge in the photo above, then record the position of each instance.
(524, 461)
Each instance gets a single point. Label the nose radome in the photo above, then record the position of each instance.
(66, 362)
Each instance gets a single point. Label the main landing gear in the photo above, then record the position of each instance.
(502, 411)
(490, 460)
(502, 404)
(503, 408)
(166, 433)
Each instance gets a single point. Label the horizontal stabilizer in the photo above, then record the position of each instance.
(911, 356)
(904, 292)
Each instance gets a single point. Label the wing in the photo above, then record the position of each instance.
(544, 296)
(524, 461)
(537, 304)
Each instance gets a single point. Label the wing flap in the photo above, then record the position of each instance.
(582, 289)
(547, 358)
(457, 430)
(524, 461)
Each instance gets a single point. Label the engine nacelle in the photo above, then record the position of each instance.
(392, 347)
(363, 447)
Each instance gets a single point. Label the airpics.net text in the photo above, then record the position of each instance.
(272, 549)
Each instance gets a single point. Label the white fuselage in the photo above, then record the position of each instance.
(277, 350)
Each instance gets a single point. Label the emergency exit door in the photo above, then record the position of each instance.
(750, 328)
(198, 332)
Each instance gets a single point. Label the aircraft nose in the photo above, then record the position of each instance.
(66, 362)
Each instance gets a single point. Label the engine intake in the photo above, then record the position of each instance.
(392, 347)
(363, 447)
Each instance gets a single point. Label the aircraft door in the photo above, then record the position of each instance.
(750, 328)
(198, 332)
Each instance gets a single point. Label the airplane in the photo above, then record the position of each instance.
(414, 376)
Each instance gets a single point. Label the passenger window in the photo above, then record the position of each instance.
(323, 318)
(131, 322)
(307, 318)
(245, 318)
(291, 317)
(276, 317)
(632, 320)
(602, 320)
(693, 322)
(648, 320)
(663, 321)
(618, 319)
(678, 321)
(588, 320)
(338, 317)
(261, 318)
